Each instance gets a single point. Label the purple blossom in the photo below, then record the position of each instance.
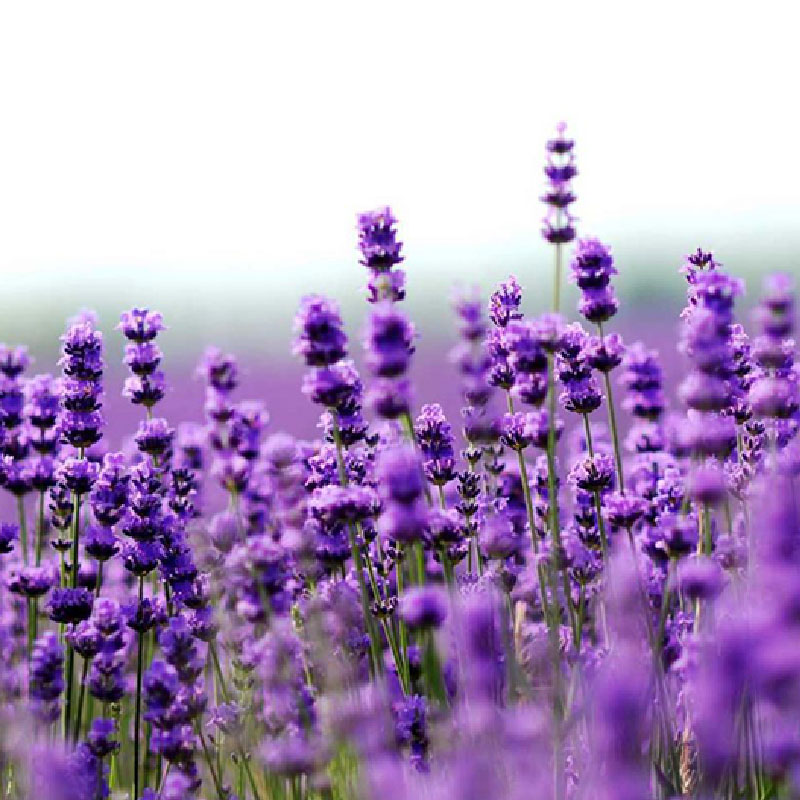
(560, 169)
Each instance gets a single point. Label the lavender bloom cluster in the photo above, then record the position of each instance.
(523, 602)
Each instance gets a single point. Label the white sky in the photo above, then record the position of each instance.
(162, 138)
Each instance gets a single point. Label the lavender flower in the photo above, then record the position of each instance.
(380, 254)
(82, 363)
(560, 170)
(592, 267)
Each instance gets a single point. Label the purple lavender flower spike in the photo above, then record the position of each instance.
(69, 606)
(319, 332)
(82, 362)
(155, 437)
(592, 267)
(505, 303)
(380, 254)
(560, 169)
(388, 341)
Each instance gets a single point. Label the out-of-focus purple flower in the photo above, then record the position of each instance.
(388, 341)
(101, 738)
(14, 360)
(31, 581)
(9, 533)
(707, 483)
(642, 379)
(219, 370)
(604, 353)
(319, 332)
(700, 578)
(46, 677)
(401, 485)
(154, 437)
(141, 325)
(85, 638)
(423, 607)
(338, 386)
(42, 401)
(624, 510)
(498, 538)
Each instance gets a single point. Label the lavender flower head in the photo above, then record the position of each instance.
(560, 169)
(319, 332)
(380, 254)
(82, 362)
(592, 267)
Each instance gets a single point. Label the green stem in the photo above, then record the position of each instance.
(557, 277)
(227, 698)
(138, 706)
(81, 698)
(32, 623)
(23, 528)
(73, 582)
(40, 530)
(217, 782)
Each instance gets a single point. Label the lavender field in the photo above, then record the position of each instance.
(554, 561)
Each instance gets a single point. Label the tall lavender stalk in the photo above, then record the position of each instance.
(559, 224)
(80, 422)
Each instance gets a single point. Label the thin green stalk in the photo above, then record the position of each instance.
(552, 496)
(23, 528)
(81, 698)
(526, 493)
(138, 706)
(32, 623)
(217, 781)
(557, 274)
(227, 698)
(40, 530)
(73, 582)
(402, 630)
(419, 555)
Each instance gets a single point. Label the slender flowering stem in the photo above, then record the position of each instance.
(73, 583)
(138, 700)
(40, 530)
(355, 550)
(612, 421)
(23, 529)
(557, 270)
